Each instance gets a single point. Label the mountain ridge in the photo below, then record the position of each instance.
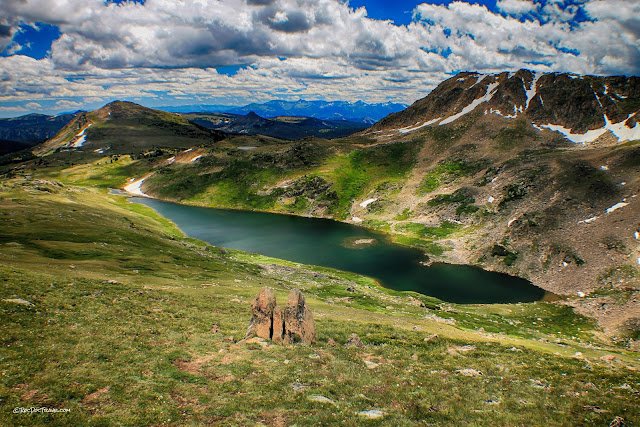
(358, 111)
(124, 127)
(289, 128)
(584, 109)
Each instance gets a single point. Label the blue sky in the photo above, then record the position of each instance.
(63, 55)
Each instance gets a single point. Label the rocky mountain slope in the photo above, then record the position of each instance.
(277, 127)
(585, 109)
(124, 127)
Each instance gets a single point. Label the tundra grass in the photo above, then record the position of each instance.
(133, 324)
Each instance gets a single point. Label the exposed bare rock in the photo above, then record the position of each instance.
(354, 341)
(298, 320)
(431, 337)
(278, 325)
(19, 301)
(332, 343)
(262, 306)
(294, 323)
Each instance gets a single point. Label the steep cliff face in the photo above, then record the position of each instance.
(585, 109)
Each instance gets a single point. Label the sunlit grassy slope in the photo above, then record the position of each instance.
(134, 324)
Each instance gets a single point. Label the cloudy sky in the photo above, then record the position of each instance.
(63, 55)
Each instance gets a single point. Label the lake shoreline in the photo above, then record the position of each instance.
(388, 276)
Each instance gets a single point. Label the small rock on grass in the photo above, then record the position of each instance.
(331, 343)
(354, 341)
(431, 337)
(321, 399)
(469, 372)
(372, 414)
(370, 364)
(19, 301)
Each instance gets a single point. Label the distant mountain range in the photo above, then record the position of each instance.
(27, 131)
(324, 110)
(278, 127)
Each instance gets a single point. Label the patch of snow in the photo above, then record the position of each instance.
(572, 76)
(581, 294)
(564, 264)
(247, 148)
(367, 202)
(606, 89)
(636, 235)
(461, 79)
(588, 220)
(171, 159)
(507, 116)
(186, 151)
(604, 168)
(82, 138)
(531, 92)
(623, 183)
(135, 187)
(616, 207)
(638, 261)
(469, 108)
(536, 126)
(511, 221)
(411, 129)
(79, 142)
(195, 158)
(490, 199)
(589, 136)
(356, 219)
(621, 130)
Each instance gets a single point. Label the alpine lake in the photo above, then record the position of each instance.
(345, 247)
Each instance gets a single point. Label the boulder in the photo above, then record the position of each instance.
(262, 306)
(298, 320)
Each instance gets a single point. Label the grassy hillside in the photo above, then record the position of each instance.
(130, 323)
(124, 127)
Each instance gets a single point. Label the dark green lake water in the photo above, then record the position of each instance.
(330, 244)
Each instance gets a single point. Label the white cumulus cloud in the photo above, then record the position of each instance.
(310, 49)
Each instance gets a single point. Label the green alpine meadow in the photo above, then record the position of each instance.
(293, 213)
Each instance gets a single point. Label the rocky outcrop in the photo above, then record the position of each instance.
(293, 324)
(261, 323)
(298, 321)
